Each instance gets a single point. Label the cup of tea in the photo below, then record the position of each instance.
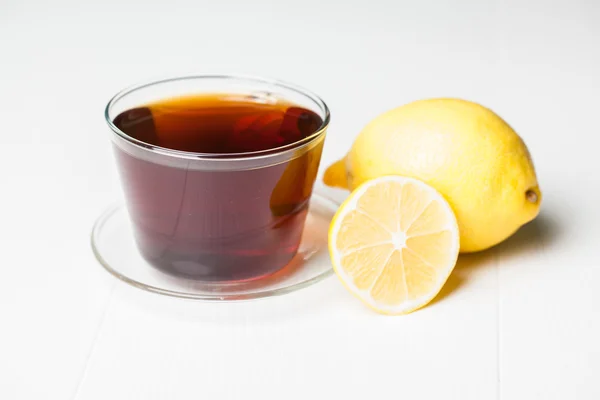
(217, 172)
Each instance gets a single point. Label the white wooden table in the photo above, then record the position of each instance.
(519, 322)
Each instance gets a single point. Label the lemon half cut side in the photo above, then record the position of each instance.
(393, 243)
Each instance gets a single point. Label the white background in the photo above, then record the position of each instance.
(521, 321)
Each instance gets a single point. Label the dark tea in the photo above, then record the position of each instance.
(219, 221)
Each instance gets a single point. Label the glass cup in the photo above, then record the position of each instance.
(217, 217)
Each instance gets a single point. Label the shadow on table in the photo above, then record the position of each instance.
(539, 233)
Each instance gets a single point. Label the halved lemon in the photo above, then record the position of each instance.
(393, 243)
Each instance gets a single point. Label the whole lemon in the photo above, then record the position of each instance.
(464, 150)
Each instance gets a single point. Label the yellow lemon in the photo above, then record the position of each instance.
(393, 243)
(465, 151)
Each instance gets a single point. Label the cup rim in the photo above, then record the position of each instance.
(219, 156)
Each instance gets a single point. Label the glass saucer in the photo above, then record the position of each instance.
(115, 249)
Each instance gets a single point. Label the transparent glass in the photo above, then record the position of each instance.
(232, 217)
(114, 247)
